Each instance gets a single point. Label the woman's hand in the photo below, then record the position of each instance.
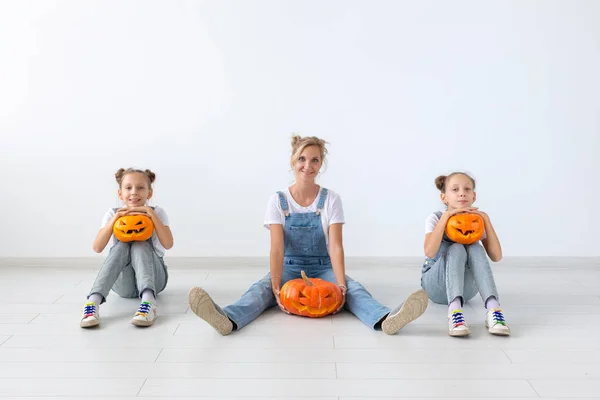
(276, 293)
(344, 290)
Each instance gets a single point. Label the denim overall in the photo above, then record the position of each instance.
(129, 269)
(305, 249)
(458, 270)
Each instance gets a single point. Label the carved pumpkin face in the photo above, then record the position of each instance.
(465, 228)
(131, 228)
(310, 297)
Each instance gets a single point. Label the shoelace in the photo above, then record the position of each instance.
(458, 319)
(144, 308)
(497, 317)
(89, 310)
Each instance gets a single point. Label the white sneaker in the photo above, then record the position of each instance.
(457, 326)
(90, 315)
(145, 315)
(494, 321)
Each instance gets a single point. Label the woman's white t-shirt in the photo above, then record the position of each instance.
(331, 213)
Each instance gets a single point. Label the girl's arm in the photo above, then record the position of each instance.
(163, 232)
(491, 243)
(106, 232)
(433, 240)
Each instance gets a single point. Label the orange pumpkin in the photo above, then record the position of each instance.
(131, 228)
(465, 228)
(310, 297)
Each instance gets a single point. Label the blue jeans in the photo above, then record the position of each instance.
(129, 269)
(458, 270)
(260, 297)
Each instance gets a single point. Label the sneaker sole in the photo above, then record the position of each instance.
(501, 332)
(201, 304)
(90, 323)
(414, 306)
(459, 333)
(138, 322)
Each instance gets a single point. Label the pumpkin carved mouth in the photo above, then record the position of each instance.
(314, 311)
(140, 227)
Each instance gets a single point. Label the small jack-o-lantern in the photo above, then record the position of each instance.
(310, 297)
(130, 228)
(465, 228)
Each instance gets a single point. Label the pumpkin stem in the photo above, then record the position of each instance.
(306, 280)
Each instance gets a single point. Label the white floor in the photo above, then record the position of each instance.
(553, 306)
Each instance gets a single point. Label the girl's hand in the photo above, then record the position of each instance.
(343, 289)
(276, 293)
(482, 214)
(120, 213)
(136, 210)
(449, 213)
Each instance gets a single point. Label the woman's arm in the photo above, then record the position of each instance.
(336, 253)
(276, 261)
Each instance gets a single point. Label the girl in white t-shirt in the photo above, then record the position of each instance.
(131, 269)
(305, 221)
(453, 273)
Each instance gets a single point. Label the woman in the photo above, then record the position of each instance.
(305, 221)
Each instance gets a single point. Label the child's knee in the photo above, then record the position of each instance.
(144, 246)
(457, 252)
(477, 254)
(120, 246)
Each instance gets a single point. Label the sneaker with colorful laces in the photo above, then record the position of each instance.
(457, 326)
(145, 315)
(90, 315)
(495, 322)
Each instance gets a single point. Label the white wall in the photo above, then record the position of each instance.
(207, 94)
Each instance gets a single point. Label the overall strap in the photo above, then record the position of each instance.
(284, 203)
(321, 202)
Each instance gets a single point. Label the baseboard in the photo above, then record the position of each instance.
(263, 262)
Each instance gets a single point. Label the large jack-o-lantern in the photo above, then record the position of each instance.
(130, 228)
(465, 228)
(310, 297)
